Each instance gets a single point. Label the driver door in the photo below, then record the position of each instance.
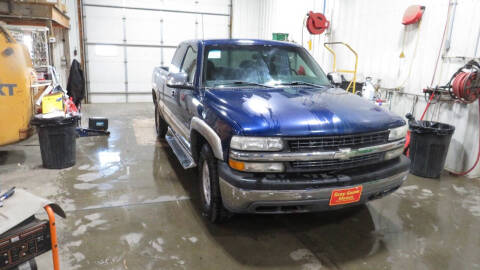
(171, 95)
(186, 96)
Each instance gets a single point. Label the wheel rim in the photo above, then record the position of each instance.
(206, 183)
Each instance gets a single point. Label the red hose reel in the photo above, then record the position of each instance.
(317, 23)
(413, 14)
(466, 86)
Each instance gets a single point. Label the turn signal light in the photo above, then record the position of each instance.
(237, 165)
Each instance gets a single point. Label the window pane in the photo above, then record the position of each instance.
(190, 64)
(177, 59)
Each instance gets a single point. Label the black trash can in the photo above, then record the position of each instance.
(57, 138)
(429, 143)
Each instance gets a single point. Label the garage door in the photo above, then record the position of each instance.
(125, 40)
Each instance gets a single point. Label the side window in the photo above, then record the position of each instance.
(177, 59)
(189, 65)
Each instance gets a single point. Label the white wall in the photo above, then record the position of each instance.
(379, 48)
(246, 19)
(373, 28)
(59, 56)
(261, 18)
(74, 32)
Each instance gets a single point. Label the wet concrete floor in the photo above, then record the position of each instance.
(131, 206)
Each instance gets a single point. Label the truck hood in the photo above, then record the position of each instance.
(299, 111)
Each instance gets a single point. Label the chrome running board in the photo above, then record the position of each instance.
(181, 152)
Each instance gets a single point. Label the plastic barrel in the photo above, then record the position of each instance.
(429, 143)
(57, 138)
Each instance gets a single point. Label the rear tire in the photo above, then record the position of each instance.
(210, 197)
(160, 124)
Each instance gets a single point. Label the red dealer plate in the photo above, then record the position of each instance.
(345, 196)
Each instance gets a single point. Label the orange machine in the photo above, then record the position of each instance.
(16, 102)
(23, 237)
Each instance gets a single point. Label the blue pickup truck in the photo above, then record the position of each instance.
(270, 133)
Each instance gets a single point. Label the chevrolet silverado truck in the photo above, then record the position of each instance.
(270, 133)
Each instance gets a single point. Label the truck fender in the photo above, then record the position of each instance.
(209, 134)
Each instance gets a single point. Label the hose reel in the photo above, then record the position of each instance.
(317, 23)
(465, 83)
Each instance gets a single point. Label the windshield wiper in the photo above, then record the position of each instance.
(301, 83)
(245, 83)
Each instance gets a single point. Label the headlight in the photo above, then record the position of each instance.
(256, 166)
(256, 143)
(398, 133)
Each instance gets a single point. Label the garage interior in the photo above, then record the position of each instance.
(130, 204)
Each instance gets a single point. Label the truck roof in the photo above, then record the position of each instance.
(246, 42)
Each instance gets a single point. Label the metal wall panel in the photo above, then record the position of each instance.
(140, 24)
(214, 27)
(74, 31)
(105, 67)
(246, 19)
(103, 25)
(379, 47)
(59, 59)
(209, 6)
(373, 28)
(141, 62)
(125, 40)
(178, 28)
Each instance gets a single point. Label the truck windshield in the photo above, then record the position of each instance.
(237, 65)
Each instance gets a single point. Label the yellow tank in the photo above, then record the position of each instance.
(16, 101)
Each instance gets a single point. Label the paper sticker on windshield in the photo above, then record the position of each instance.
(215, 54)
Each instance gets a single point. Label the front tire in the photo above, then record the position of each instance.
(160, 124)
(210, 197)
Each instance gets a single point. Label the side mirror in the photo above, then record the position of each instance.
(335, 78)
(177, 80)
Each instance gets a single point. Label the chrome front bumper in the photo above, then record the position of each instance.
(240, 200)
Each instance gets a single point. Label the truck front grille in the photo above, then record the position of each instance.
(326, 143)
(336, 164)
